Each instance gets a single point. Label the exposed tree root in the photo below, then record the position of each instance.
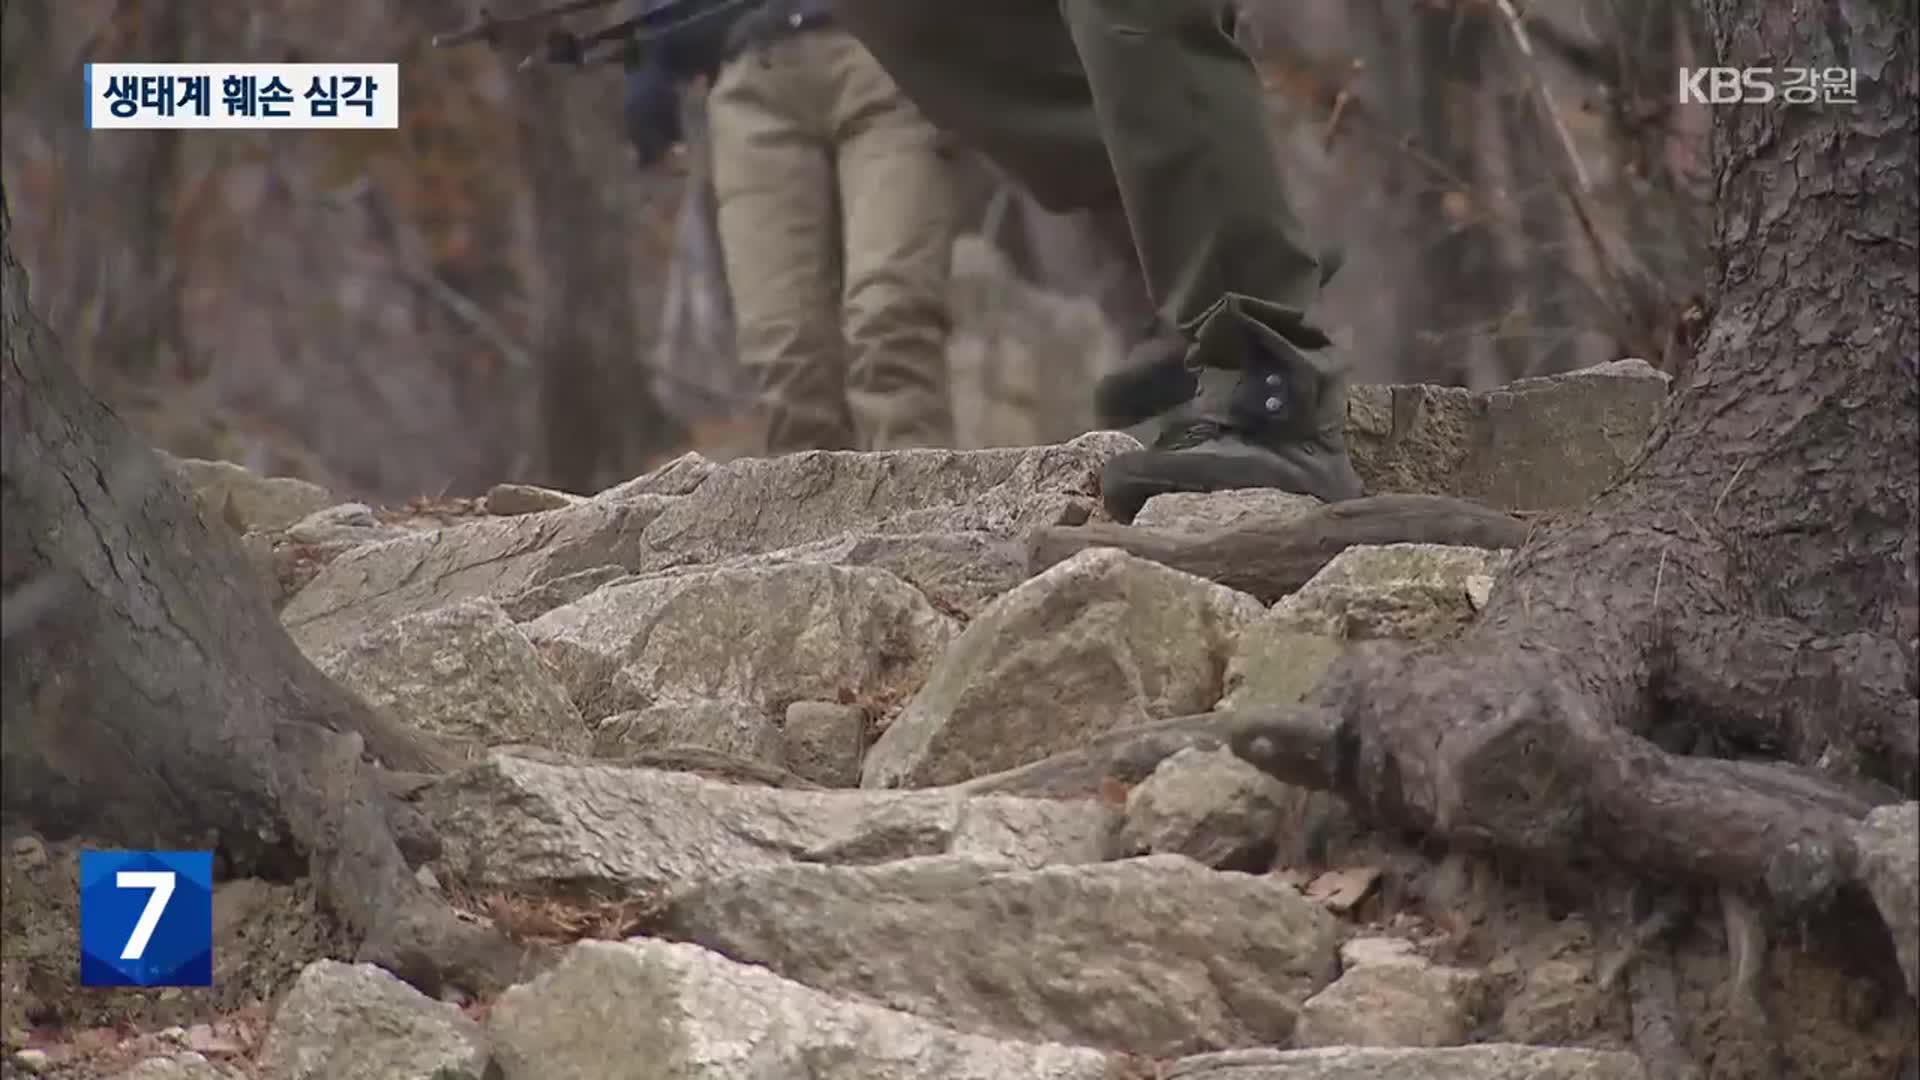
(1270, 557)
(1519, 759)
(1656, 1020)
(155, 700)
(1769, 686)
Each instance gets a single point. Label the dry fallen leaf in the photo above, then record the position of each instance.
(1343, 890)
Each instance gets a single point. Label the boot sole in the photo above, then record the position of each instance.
(1129, 480)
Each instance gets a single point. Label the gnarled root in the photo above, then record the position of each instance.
(1271, 556)
(342, 816)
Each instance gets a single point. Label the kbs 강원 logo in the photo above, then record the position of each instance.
(146, 918)
(1760, 85)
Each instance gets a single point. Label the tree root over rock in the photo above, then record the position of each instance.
(152, 698)
(1270, 556)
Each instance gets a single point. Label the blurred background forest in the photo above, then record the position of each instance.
(494, 292)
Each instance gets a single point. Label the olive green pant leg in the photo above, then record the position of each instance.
(1148, 102)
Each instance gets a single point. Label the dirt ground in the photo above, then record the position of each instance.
(264, 934)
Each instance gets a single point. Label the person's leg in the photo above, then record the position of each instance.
(899, 208)
(773, 182)
(1152, 100)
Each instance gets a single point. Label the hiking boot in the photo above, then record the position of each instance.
(1155, 377)
(1278, 421)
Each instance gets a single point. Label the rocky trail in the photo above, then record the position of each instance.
(909, 765)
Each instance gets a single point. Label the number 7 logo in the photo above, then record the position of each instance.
(161, 882)
(146, 918)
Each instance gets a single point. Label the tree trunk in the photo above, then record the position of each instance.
(1709, 675)
(153, 699)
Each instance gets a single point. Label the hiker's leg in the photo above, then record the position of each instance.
(1153, 99)
(774, 184)
(899, 207)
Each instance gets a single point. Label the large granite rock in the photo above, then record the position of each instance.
(1158, 956)
(1417, 592)
(761, 636)
(369, 587)
(356, 1022)
(658, 1009)
(694, 513)
(1529, 445)
(1211, 807)
(1889, 841)
(1101, 641)
(764, 504)
(246, 501)
(463, 671)
(514, 822)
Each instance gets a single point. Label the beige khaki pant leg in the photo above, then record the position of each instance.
(899, 195)
(773, 177)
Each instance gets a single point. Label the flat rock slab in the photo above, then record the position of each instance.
(677, 477)
(1099, 642)
(1487, 1061)
(512, 822)
(762, 636)
(356, 1022)
(1158, 956)
(655, 1008)
(1889, 842)
(369, 587)
(463, 671)
(765, 504)
(1210, 511)
(510, 500)
(703, 515)
(1534, 444)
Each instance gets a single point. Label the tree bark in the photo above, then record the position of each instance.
(1709, 675)
(1270, 556)
(153, 699)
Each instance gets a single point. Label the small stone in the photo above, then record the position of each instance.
(29, 853)
(1343, 890)
(511, 500)
(1099, 642)
(1402, 1001)
(201, 1038)
(824, 742)
(32, 1060)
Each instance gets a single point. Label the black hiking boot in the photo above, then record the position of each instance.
(1279, 421)
(1155, 378)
